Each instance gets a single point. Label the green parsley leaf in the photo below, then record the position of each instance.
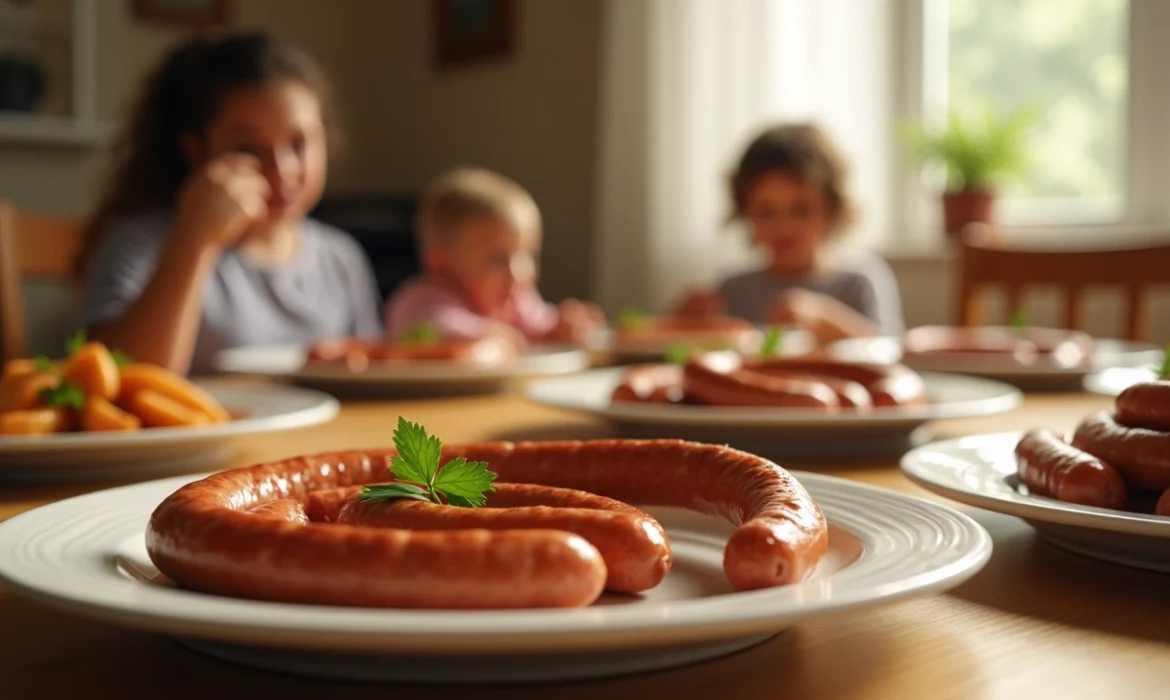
(64, 395)
(121, 359)
(74, 343)
(459, 482)
(379, 492)
(1020, 319)
(424, 332)
(630, 318)
(773, 341)
(1164, 371)
(45, 365)
(418, 452)
(464, 483)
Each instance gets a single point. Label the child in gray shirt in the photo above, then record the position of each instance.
(790, 186)
(202, 242)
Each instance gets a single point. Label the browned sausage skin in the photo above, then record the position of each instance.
(1053, 468)
(633, 545)
(202, 537)
(1142, 456)
(1145, 405)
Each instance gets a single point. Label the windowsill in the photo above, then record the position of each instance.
(53, 131)
(934, 248)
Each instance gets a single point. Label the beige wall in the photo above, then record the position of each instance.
(534, 118)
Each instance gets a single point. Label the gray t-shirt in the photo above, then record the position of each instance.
(861, 281)
(328, 290)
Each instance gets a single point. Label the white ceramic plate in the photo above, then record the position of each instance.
(1110, 353)
(162, 451)
(287, 362)
(780, 432)
(793, 342)
(981, 471)
(1113, 381)
(86, 555)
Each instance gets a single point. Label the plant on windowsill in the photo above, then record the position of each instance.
(978, 155)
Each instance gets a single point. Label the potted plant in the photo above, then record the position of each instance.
(977, 156)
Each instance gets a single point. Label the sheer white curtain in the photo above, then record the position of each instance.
(686, 84)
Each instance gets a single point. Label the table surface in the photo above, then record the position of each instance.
(1035, 622)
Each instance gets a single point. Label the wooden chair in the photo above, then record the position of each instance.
(983, 263)
(31, 245)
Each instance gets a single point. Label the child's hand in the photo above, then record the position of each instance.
(578, 319)
(217, 204)
(512, 340)
(702, 303)
(825, 317)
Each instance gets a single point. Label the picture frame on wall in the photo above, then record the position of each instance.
(190, 13)
(473, 31)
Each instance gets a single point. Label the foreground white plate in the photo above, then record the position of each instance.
(1110, 353)
(981, 471)
(425, 377)
(780, 432)
(76, 555)
(162, 451)
(1115, 380)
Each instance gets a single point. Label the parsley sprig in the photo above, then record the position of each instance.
(419, 476)
(64, 395)
(1020, 320)
(1164, 370)
(773, 341)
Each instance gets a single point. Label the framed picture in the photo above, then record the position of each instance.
(473, 31)
(192, 13)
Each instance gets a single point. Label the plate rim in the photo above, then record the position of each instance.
(324, 409)
(1029, 507)
(574, 359)
(1010, 398)
(588, 627)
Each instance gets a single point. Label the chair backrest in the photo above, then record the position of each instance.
(31, 245)
(1136, 269)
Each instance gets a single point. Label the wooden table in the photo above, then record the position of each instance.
(1036, 622)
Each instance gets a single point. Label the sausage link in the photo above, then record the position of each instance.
(889, 385)
(1142, 456)
(782, 533)
(1145, 405)
(720, 379)
(1163, 507)
(1051, 467)
(633, 545)
(650, 384)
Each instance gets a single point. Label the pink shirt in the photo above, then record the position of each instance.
(433, 300)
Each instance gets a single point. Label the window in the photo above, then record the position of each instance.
(1093, 69)
(1067, 59)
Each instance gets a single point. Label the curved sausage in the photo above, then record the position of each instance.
(201, 536)
(889, 385)
(1145, 405)
(1051, 467)
(650, 384)
(632, 544)
(850, 394)
(782, 533)
(1141, 455)
(720, 379)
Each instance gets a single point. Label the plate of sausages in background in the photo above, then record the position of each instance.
(1102, 491)
(804, 407)
(430, 369)
(249, 565)
(646, 338)
(1039, 358)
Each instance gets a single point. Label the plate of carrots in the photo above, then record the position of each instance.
(95, 412)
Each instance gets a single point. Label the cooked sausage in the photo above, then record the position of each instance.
(202, 537)
(1141, 455)
(1051, 467)
(650, 384)
(723, 379)
(1145, 405)
(633, 545)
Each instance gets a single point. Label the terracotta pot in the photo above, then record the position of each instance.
(967, 207)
